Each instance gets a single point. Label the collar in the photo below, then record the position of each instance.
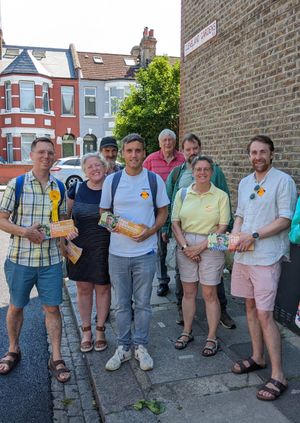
(175, 155)
(211, 190)
(51, 179)
(263, 180)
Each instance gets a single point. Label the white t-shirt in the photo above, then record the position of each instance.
(133, 201)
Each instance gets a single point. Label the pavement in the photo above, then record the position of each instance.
(192, 388)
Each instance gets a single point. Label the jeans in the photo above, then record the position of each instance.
(132, 277)
(161, 268)
(220, 291)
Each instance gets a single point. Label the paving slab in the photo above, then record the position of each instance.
(193, 388)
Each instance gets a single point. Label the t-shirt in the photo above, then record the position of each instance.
(277, 199)
(201, 213)
(133, 201)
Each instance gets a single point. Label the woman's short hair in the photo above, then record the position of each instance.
(89, 156)
(204, 159)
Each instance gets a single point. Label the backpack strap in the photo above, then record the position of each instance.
(153, 187)
(78, 183)
(18, 191)
(114, 186)
(62, 190)
(183, 194)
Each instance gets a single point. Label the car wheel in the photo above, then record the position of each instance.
(72, 180)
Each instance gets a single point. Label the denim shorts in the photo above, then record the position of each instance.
(21, 279)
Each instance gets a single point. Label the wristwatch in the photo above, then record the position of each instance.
(184, 247)
(255, 235)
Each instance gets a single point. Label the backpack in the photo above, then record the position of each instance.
(152, 182)
(19, 189)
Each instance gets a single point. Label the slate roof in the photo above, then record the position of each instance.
(57, 63)
(113, 66)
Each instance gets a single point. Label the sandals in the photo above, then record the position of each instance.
(180, 343)
(86, 346)
(275, 393)
(210, 350)
(11, 364)
(253, 366)
(101, 344)
(57, 372)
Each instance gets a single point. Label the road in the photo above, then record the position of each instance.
(25, 394)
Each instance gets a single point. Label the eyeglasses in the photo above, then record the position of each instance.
(257, 190)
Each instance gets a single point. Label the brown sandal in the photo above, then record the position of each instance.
(101, 344)
(57, 372)
(11, 364)
(86, 346)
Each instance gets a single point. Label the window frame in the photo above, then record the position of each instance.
(28, 142)
(72, 111)
(22, 86)
(46, 97)
(86, 96)
(8, 97)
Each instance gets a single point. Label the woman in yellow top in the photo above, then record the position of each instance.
(198, 211)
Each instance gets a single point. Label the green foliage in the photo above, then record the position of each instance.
(152, 105)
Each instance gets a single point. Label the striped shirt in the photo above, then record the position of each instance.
(158, 164)
(34, 207)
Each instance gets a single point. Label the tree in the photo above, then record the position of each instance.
(152, 105)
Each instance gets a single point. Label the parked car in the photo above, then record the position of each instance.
(68, 170)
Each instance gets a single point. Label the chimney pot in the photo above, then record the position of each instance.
(151, 33)
(145, 31)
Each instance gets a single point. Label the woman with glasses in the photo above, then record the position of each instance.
(199, 210)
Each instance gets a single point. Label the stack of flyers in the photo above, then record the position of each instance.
(224, 242)
(73, 252)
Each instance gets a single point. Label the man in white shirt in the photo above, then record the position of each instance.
(266, 203)
(132, 260)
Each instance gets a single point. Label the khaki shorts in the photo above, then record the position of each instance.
(208, 271)
(256, 282)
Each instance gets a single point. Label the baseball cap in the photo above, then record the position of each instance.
(108, 142)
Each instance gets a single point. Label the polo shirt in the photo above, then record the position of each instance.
(201, 213)
(35, 207)
(158, 164)
(278, 200)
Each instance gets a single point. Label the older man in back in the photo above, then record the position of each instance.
(163, 162)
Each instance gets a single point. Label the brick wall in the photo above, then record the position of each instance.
(244, 81)
(9, 171)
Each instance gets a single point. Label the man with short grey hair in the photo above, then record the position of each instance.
(163, 162)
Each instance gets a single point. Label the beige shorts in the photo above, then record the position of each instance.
(256, 282)
(208, 270)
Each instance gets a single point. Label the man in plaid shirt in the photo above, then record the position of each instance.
(32, 259)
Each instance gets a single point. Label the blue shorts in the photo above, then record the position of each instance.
(21, 279)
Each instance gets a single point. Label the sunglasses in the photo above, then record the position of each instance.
(257, 190)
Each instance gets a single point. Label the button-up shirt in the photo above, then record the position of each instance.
(34, 207)
(259, 208)
(157, 163)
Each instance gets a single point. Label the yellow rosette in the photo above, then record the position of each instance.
(55, 198)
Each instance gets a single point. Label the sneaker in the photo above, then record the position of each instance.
(142, 355)
(227, 321)
(179, 319)
(121, 355)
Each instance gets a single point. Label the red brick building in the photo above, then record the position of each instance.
(38, 97)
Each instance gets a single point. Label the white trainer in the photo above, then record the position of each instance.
(144, 358)
(121, 355)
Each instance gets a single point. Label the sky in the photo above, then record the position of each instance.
(102, 26)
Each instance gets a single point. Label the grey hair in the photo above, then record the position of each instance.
(167, 133)
(89, 156)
